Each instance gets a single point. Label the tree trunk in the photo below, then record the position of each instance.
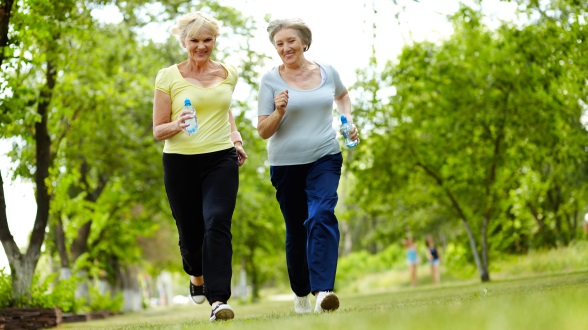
(60, 243)
(80, 244)
(484, 274)
(128, 284)
(22, 276)
(242, 286)
(5, 14)
(23, 266)
(346, 235)
(252, 270)
(481, 271)
(83, 289)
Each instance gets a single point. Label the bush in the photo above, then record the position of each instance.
(565, 259)
(361, 263)
(457, 261)
(5, 289)
(48, 293)
(104, 301)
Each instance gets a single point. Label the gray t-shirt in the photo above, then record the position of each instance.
(306, 132)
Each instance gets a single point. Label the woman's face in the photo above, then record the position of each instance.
(200, 47)
(289, 45)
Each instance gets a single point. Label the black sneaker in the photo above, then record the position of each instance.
(197, 293)
(222, 312)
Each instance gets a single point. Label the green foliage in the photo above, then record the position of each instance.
(45, 292)
(358, 264)
(559, 260)
(457, 261)
(472, 135)
(5, 289)
(48, 292)
(104, 301)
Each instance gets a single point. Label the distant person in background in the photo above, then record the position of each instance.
(412, 259)
(434, 260)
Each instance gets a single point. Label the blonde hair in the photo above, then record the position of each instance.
(290, 23)
(189, 25)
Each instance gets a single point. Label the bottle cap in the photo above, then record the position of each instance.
(187, 101)
(343, 119)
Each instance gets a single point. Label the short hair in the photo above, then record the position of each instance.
(290, 23)
(189, 25)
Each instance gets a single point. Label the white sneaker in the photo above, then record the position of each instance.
(222, 312)
(326, 301)
(302, 305)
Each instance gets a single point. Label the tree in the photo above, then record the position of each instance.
(467, 120)
(97, 76)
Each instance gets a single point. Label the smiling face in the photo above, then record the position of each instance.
(289, 46)
(201, 45)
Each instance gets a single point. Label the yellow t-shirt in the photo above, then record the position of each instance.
(212, 105)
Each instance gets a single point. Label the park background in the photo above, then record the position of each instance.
(473, 131)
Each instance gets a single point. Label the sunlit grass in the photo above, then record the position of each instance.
(540, 302)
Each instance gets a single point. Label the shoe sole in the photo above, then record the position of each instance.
(224, 314)
(198, 299)
(330, 303)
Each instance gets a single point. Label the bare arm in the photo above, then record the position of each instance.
(343, 102)
(429, 255)
(241, 154)
(234, 127)
(163, 127)
(268, 125)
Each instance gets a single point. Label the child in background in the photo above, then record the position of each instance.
(412, 259)
(434, 260)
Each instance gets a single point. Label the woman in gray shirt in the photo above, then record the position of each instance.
(295, 112)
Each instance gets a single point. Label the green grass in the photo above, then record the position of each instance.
(554, 301)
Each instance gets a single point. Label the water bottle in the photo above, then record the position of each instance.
(345, 129)
(192, 122)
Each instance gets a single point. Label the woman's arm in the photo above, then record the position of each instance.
(163, 127)
(268, 125)
(343, 102)
(237, 140)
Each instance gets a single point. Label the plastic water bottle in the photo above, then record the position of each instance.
(345, 129)
(193, 122)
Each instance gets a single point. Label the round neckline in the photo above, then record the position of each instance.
(323, 79)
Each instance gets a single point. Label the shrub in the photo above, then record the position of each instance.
(104, 301)
(361, 263)
(5, 289)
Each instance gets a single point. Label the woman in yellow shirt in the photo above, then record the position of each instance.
(201, 171)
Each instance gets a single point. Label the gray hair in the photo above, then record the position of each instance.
(290, 23)
(189, 25)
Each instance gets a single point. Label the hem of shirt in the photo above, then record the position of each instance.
(198, 150)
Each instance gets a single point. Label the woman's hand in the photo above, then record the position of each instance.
(281, 101)
(241, 154)
(354, 134)
(181, 121)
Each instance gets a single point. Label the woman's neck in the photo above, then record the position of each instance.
(198, 66)
(296, 68)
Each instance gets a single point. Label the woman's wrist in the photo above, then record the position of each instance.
(349, 117)
(236, 139)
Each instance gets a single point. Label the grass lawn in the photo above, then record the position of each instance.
(556, 301)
